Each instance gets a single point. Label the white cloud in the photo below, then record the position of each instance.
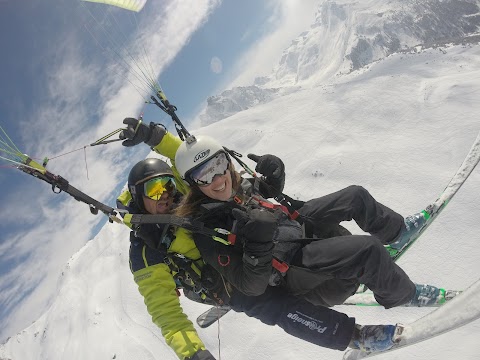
(216, 65)
(288, 20)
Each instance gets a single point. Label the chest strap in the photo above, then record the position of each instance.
(218, 234)
(186, 272)
(268, 205)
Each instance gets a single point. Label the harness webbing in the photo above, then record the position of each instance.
(284, 200)
(218, 234)
(186, 272)
(293, 215)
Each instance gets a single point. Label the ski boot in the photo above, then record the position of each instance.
(428, 295)
(373, 338)
(413, 224)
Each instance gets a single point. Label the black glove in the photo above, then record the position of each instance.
(273, 169)
(138, 132)
(202, 355)
(257, 228)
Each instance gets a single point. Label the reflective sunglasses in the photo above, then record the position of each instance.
(154, 188)
(206, 172)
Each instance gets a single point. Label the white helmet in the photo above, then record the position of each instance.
(191, 155)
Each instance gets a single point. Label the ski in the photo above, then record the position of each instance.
(211, 315)
(463, 309)
(367, 298)
(434, 209)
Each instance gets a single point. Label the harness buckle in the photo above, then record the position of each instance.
(237, 200)
(231, 238)
(280, 265)
(222, 231)
(167, 260)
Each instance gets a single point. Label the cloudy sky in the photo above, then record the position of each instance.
(67, 80)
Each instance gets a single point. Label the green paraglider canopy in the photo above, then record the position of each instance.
(133, 5)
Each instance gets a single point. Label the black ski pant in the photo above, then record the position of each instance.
(329, 270)
(316, 324)
(352, 203)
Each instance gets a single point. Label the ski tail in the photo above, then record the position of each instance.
(367, 298)
(434, 209)
(211, 315)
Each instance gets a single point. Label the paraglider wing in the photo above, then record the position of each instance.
(133, 5)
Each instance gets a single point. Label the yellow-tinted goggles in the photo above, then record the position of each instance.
(154, 188)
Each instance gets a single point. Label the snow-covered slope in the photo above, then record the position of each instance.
(399, 127)
(347, 36)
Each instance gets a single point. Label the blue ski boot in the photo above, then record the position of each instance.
(373, 338)
(413, 224)
(428, 295)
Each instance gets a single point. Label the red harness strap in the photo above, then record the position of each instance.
(232, 238)
(280, 266)
(269, 205)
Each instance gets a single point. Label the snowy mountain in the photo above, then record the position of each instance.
(400, 127)
(347, 36)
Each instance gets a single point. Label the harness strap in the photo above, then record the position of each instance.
(280, 265)
(223, 236)
(285, 201)
(185, 272)
(218, 234)
(294, 215)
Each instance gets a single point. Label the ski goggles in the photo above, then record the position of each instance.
(204, 174)
(154, 188)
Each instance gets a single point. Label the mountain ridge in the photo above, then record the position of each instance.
(357, 35)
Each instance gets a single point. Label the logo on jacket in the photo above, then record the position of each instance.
(202, 154)
(312, 324)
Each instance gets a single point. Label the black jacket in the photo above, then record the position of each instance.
(248, 277)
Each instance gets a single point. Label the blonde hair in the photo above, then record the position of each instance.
(190, 204)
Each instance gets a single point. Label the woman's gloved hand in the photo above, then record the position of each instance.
(273, 169)
(257, 228)
(137, 131)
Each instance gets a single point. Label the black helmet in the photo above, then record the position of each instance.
(143, 171)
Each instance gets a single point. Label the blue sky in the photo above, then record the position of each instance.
(59, 93)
